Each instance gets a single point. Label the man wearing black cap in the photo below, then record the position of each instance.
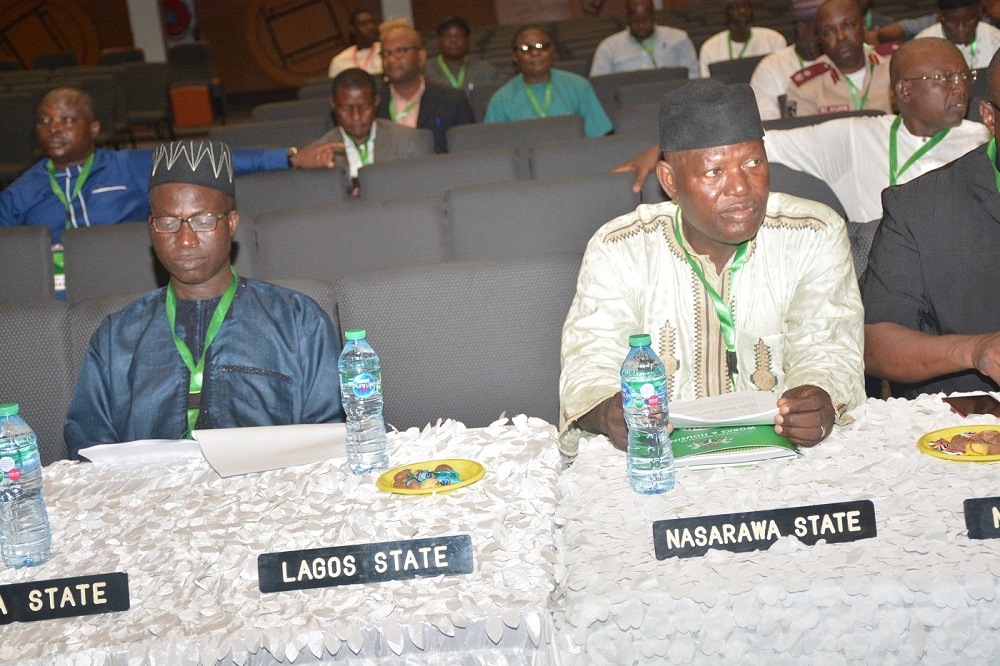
(959, 21)
(211, 349)
(849, 76)
(454, 66)
(742, 290)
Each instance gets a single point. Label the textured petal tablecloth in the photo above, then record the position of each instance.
(921, 591)
(189, 541)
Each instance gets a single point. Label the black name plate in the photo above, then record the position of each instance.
(982, 517)
(365, 563)
(64, 597)
(757, 530)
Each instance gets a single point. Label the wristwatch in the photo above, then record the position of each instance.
(290, 153)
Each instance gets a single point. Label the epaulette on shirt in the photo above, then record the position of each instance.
(810, 73)
(885, 50)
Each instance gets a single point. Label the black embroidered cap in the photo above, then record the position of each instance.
(205, 163)
(704, 114)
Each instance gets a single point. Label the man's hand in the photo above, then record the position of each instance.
(642, 165)
(985, 353)
(805, 415)
(608, 419)
(317, 155)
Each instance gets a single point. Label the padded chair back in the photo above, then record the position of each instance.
(26, 264)
(190, 64)
(272, 134)
(805, 121)
(516, 134)
(734, 71)
(861, 234)
(37, 373)
(146, 93)
(267, 191)
(576, 156)
(607, 85)
(434, 175)
(801, 184)
(327, 241)
(119, 259)
(480, 96)
(120, 56)
(645, 93)
(313, 107)
(314, 88)
(56, 60)
(435, 329)
(537, 216)
(640, 119)
(319, 291)
(580, 66)
(17, 140)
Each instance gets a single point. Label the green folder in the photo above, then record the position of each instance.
(701, 448)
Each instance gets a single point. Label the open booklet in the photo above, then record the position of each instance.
(728, 429)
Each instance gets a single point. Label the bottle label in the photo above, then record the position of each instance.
(366, 384)
(640, 396)
(11, 465)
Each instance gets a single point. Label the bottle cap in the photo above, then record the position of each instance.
(8, 409)
(640, 340)
(354, 334)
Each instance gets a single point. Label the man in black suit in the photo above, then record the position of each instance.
(412, 100)
(931, 316)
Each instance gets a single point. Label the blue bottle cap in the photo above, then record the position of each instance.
(354, 334)
(640, 340)
(8, 409)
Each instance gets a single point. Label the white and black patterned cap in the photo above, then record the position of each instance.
(205, 163)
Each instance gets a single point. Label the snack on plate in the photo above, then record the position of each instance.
(442, 475)
(980, 443)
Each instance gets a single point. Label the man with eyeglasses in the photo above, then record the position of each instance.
(80, 185)
(412, 100)
(740, 39)
(211, 349)
(960, 21)
(368, 139)
(849, 76)
(644, 45)
(931, 317)
(540, 91)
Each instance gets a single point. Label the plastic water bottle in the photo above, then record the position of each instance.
(26, 539)
(644, 399)
(361, 393)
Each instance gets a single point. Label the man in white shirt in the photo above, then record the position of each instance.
(771, 77)
(747, 291)
(366, 52)
(959, 22)
(740, 40)
(859, 157)
(644, 45)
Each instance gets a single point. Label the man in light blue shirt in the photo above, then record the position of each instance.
(644, 45)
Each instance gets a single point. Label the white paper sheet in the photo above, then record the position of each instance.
(233, 451)
(728, 409)
(143, 450)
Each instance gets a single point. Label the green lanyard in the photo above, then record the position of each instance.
(455, 83)
(869, 20)
(802, 65)
(396, 116)
(81, 179)
(894, 174)
(649, 45)
(972, 54)
(542, 112)
(854, 91)
(991, 151)
(725, 313)
(197, 371)
(729, 40)
(362, 149)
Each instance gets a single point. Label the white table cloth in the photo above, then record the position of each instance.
(921, 591)
(189, 541)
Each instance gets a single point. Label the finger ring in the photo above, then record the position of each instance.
(822, 431)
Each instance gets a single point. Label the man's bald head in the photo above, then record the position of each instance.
(72, 98)
(930, 80)
(66, 128)
(641, 18)
(632, 5)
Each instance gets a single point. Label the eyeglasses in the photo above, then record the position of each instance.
(528, 48)
(201, 222)
(952, 78)
(398, 51)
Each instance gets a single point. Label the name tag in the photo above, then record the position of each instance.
(757, 530)
(365, 563)
(64, 597)
(982, 517)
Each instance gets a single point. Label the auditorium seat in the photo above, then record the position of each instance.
(577, 156)
(266, 191)
(314, 88)
(645, 93)
(17, 140)
(467, 340)
(801, 184)
(434, 175)
(640, 119)
(312, 107)
(862, 234)
(537, 216)
(26, 264)
(805, 121)
(735, 71)
(37, 371)
(480, 96)
(520, 134)
(607, 85)
(273, 133)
